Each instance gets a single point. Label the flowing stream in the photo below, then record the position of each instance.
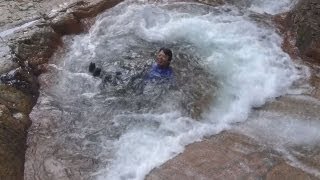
(227, 60)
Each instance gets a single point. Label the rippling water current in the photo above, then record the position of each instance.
(227, 60)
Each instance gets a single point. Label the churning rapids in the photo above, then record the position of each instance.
(226, 60)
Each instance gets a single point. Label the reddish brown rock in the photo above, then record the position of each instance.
(286, 172)
(227, 156)
(36, 46)
(289, 37)
(72, 21)
(315, 82)
(93, 8)
(304, 21)
(66, 24)
(314, 51)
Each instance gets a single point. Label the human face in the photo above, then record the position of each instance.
(162, 59)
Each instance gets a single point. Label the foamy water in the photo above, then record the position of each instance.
(244, 57)
(18, 28)
(247, 59)
(272, 6)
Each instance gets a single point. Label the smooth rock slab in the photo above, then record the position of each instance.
(227, 156)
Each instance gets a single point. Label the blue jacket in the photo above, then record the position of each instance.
(158, 74)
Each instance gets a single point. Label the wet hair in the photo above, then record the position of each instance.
(167, 52)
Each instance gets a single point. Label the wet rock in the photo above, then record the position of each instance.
(239, 3)
(13, 11)
(6, 63)
(285, 171)
(196, 98)
(314, 51)
(293, 107)
(201, 105)
(304, 21)
(309, 156)
(14, 99)
(66, 24)
(30, 48)
(36, 46)
(227, 156)
(93, 8)
(212, 2)
(315, 82)
(12, 144)
(22, 80)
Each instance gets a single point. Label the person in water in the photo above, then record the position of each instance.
(161, 70)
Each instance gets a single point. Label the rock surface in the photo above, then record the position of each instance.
(228, 156)
(15, 106)
(225, 156)
(304, 21)
(6, 63)
(30, 33)
(231, 155)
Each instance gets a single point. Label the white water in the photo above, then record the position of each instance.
(244, 56)
(15, 29)
(272, 6)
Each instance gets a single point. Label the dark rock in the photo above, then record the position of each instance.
(314, 51)
(212, 2)
(36, 47)
(22, 80)
(12, 144)
(304, 22)
(66, 24)
(93, 9)
(289, 37)
(15, 100)
(239, 3)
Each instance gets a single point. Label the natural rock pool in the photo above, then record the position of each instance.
(227, 60)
